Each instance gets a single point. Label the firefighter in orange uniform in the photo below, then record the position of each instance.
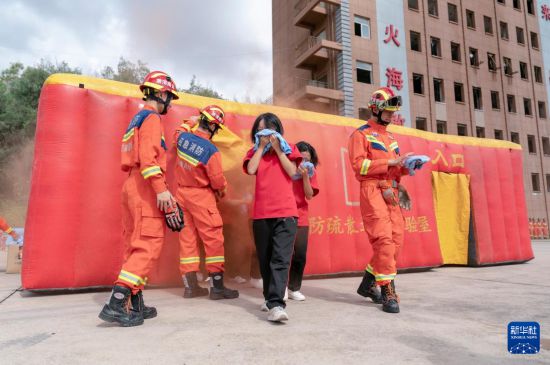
(201, 184)
(376, 161)
(146, 202)
(538, 229)
(6, 228)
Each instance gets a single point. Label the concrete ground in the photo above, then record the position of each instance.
(449, 315)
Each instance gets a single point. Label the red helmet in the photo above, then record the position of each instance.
(385, 99)
(214, 114)
(160, 81)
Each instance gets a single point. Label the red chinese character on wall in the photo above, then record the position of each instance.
(397, 119)
(392, 34)
(394, 78)
(545, 10)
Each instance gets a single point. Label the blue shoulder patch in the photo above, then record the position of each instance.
(363, 127)
(138, 119)
(195, 149)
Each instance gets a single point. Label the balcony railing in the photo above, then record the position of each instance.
(308, 43)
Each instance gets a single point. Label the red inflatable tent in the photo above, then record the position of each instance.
(73, 228)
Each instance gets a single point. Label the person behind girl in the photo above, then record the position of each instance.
(305, 188)
(274, 161)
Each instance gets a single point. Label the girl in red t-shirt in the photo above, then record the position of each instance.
(274, 162)
(305, 188)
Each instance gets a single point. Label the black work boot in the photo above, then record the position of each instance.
(218, 291)
(390, 300)
(139, 305)
(119, 309)
(192, 287)
(368, 288)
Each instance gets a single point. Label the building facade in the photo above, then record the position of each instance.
(463, 67)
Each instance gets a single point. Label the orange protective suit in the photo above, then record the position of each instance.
(370, 148)
(5, 227)
(199, 177)
(144, 157)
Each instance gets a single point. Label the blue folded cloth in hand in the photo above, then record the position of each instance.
(310, 170)
(415, 162)
(285, 147)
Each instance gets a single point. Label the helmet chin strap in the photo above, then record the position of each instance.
(164, 103)
(379, 119)
(213, 132)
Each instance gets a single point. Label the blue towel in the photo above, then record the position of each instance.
(415, 162)
(310, 170)
(268, 132)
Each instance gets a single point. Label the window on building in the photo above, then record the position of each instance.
(538, 74)
(501, 2)
(508, 67)
(470, 19)
(441, 127)
(527, 106)
(495, 100)
(520, 35)
(418, 84)
(455, 52)
(462, 129)
(421, 124)
(542, 109)
(488, 24)
(480, 132)
(474, 58)
(534, 40)
(523, 70)
(546, 146)
(491, 62)
(439, 93)
(364, 72)
(535, 181)
(516, 4)
(416, 44)
(531, 144)
(530, 7)
(514, 137)
(504, 30)
(435, 45)
(511, 101)
(478, 100)
(498, 134)
(459, 92)
(432, 8)
(364, 113)
(413, 4)
(548, 183)
(453, 12)
(362, 27)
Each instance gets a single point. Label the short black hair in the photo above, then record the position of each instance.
(271, 122)
(303, 146)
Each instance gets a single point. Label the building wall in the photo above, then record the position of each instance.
(371, 50)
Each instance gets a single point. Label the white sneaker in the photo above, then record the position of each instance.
(257, 283)
(277, 314)
(296, 295)
(239, 280)
(264, 307)
(286, 295)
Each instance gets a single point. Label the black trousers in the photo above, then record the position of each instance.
(274, 239)
(298, 263)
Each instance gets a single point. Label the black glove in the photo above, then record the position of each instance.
(404, 198)
(174, 218)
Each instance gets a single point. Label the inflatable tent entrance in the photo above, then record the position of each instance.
(73, 228)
